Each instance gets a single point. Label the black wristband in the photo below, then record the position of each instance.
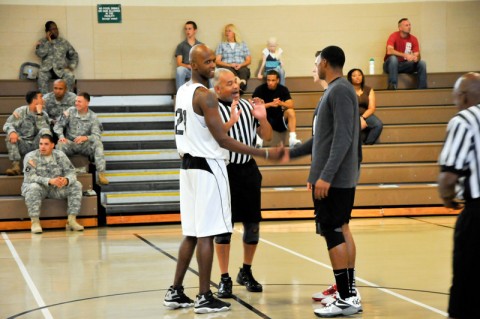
(39, 114)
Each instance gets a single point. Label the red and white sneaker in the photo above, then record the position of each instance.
(329, 292)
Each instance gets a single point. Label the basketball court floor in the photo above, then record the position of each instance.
(403, 271)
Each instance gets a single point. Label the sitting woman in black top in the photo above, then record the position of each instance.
(370, 124)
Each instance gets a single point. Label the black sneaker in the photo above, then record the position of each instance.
(225, 288)
(391, 86)
(207, 303)
(245, 278)
(175, 298)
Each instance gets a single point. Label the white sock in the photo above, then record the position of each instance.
(293, 135)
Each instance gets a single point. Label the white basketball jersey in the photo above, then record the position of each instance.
(191, 133)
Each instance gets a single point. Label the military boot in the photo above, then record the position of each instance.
(36, 227)
(102, 179)
(14, 170)
(72, 223)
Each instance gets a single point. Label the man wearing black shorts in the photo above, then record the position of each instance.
(280, 106)
(244, 177)
(333, 175)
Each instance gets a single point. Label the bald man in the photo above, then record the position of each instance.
(460, 179)
(202, 143)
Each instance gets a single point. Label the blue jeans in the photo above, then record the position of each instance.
(183, 75)
(393, 67)
(373, 131)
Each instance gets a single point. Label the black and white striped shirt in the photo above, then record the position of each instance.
(461, 151)
(244, 131)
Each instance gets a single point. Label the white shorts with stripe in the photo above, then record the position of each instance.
(204, 197)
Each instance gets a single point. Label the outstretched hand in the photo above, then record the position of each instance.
(259, 111)
(234, 112)
(276, 153)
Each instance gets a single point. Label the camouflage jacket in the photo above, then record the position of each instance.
(71, 125)
(38, 169)
(57, 55)
(55, 108)
(26, 124)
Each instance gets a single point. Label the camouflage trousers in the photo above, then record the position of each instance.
(91, 148)
(34, 193)
(17, 150)
(45, 76)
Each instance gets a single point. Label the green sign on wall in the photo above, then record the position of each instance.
(109, 13)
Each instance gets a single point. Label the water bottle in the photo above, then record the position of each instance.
(372, 66)
(29, 76)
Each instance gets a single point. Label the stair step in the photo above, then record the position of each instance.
(146, 135)
(141, 155)
(142, 175)
(140, 197)
(135, 100)
(141, 186)
(135, 209)
(142, 165)
(136, 117)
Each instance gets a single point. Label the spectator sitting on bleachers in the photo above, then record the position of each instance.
(369, 123)
(184, 70)
(403, 56)
(233, 54)
(272, 60)
(59, 58)
(50, 174)
(24, 128)
(79, 132)
(280, 107)
(58, 101)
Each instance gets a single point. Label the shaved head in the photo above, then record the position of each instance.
(467, 90)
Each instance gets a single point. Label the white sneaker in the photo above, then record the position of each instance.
(292, 142)
(259, 143)
(339, 307)
(336, 296)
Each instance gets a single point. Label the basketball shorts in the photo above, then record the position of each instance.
(204, 197)
(334, 210)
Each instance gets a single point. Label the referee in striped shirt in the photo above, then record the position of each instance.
(244, 177)
(460, 178)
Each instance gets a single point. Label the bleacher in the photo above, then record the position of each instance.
(398, 175)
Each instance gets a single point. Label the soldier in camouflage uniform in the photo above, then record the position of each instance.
(79, 132)
(59, 58)
(58, 101)
(24, 128)
(50, 174)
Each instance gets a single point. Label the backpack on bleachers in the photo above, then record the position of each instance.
(29, 71)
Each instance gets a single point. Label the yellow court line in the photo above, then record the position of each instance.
(143, 195)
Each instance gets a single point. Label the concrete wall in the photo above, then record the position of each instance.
(142, 46)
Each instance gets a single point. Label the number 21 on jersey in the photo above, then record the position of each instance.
(180, 121)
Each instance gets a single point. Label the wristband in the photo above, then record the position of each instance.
(39, 114)
(266, 153)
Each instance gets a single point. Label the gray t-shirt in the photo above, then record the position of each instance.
(183, 49)
(335, 144)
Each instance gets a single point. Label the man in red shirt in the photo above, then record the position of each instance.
(403, 56)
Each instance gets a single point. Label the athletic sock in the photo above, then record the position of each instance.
(225, 275)
(351, 282)
(247, 267)
(341, 279)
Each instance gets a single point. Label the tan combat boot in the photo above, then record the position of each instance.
(72, 223)
(102, 179)
(36, 227)
(14, 170)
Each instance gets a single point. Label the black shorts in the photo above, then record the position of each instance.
(335, 210)
(245, 183)
(278, 122)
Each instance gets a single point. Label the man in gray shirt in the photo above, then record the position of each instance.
(333, 176)
(184, 70)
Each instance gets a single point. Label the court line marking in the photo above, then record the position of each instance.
(26, 276)
(371, 284)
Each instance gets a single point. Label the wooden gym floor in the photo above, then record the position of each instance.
(403, 271)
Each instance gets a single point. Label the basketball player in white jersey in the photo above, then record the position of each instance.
(202, 142)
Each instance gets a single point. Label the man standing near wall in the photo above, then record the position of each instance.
(459, 164)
